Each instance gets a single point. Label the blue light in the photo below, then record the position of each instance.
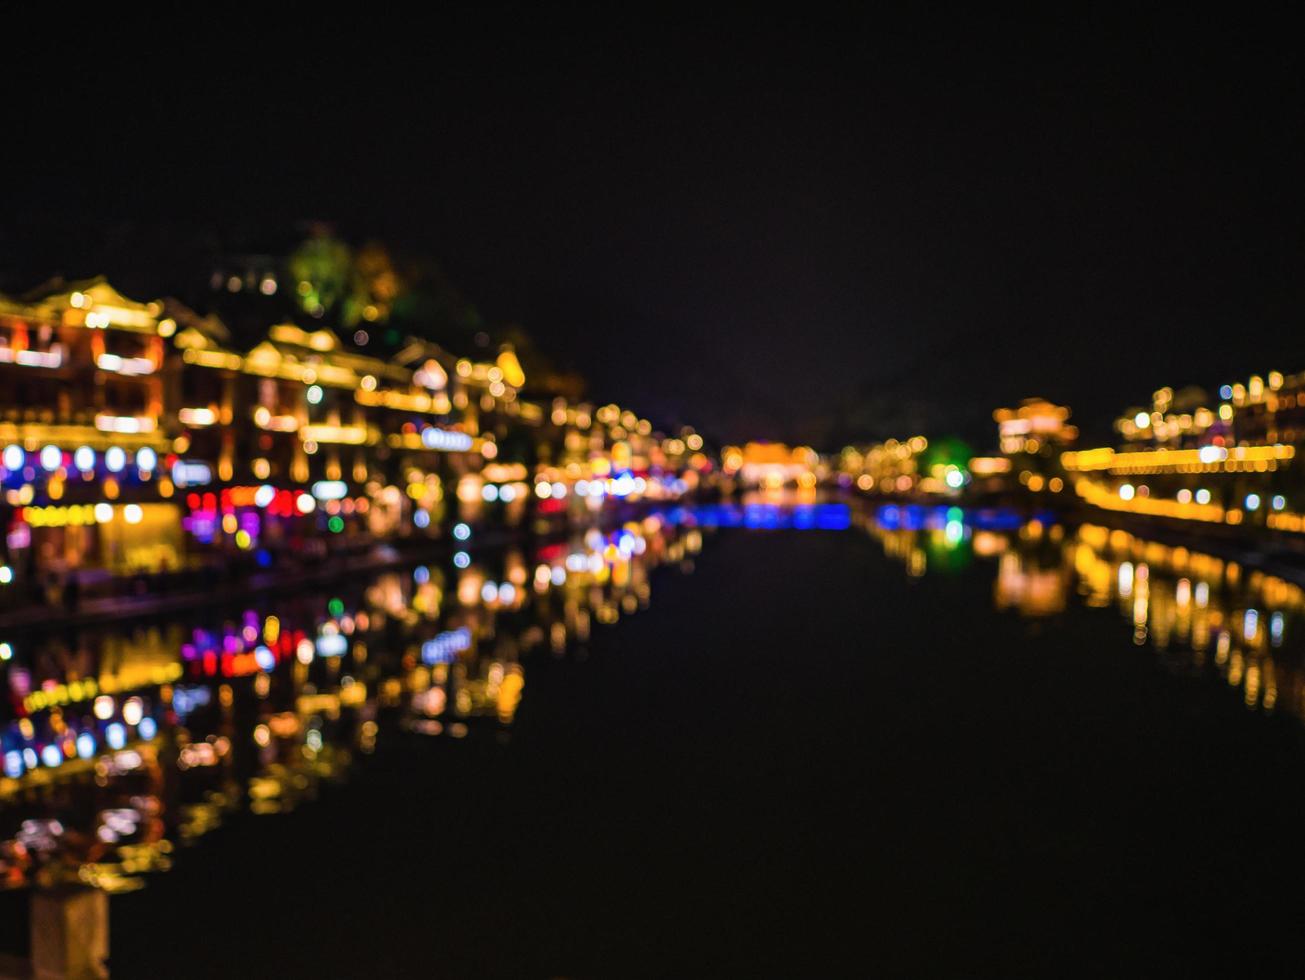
(51, 756)
(13, 764)
(265, 658)
(147, 728)
(85, 745)
(461, 531)
(187, 699)
(833, 517)
(445, 648)
(421, 518)
(462, 559)
(116, 735)
(421, 574)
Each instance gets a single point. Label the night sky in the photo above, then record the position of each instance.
(808, 231)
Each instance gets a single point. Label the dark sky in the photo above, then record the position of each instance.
(794, 229)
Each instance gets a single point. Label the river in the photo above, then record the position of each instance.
(720, 741)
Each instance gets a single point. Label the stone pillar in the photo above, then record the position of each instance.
(70, 934)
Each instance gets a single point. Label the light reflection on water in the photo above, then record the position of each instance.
(122, 743)
(1200, 613)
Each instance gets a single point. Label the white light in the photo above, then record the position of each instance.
(461, 531)
(191, 473)
(84, 458)
(507, 493)
(115, 735)
(1212, 454)
(1202, 496)
(6, 651)
(103, 513)
(332, 645)
(314, 394)
(543, 490)
(305, 504)
(132, 710)
(115, 459)
(489, 492)
(954, 478)
(6, 574)
(1279, 502)
(507, 592)
(1141, 420)
(14, 458)
(489, 592)
(132, 514)
(304, 651)
(1126, 491)
(559, 489)
(103, 707)
(146, 458)
(462, 559)
(264, 495)
(85, 745)
(445, 440)
(51, 457)
(329, 489)
(1252, 501)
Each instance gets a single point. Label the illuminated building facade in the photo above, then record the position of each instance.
(139, 438)
(1031, 438)
(1227, 464)
(772, 465)
(890, 467)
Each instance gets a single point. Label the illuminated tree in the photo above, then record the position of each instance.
(321, 268)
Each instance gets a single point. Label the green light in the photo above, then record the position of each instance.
(336, 524)
(336, 606)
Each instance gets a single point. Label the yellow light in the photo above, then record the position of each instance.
(510, 368)
(197, 417)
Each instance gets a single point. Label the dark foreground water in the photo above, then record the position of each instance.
(919, 745)
(801, 760)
